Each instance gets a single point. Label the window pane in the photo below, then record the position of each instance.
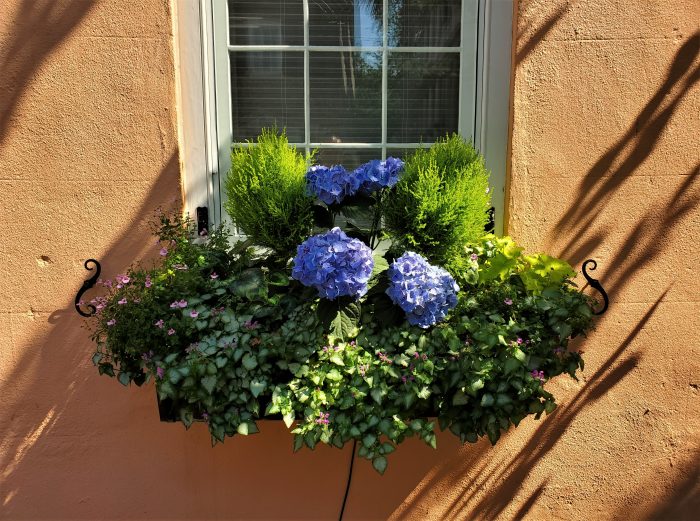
(346, 99)
(267, 88)
(266, 22)
(350, 158)
(423, 101)
(423, 23)
(345, 22)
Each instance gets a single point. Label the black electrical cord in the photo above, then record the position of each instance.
(347, 486)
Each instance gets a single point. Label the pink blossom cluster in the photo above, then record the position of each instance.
(323, 418)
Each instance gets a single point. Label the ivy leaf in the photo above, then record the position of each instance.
(337, 359)
(124, 379)
(257, 386)
(249, 362)
(379, 464)
(487, 400)
(209, 382)
(334, 375)
(96, 358)
(460, 398)
(298, 442)
(288, 419)
(376, 395)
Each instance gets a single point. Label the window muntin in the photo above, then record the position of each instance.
(365, 76)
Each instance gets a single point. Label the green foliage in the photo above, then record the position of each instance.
(441, 202)
(229, 337)
(266, 190)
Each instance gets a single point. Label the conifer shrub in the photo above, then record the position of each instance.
(267, 195)
(441, 202)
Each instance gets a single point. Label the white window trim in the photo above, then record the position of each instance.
(203, 71)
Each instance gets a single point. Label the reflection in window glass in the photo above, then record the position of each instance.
(266, 22)
(345, 22)
(346, 97)
(423, 101)
(423, 23)
(267, 88)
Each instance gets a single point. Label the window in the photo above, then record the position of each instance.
(354, 79)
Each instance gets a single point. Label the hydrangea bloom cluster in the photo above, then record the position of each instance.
(331, 184)
(376, 174)
(425, 292)
(335, 264)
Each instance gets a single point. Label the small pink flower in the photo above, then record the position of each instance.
(519, 340)
(508, 302)
(163, 252)
(160, 372)
(403, 379)
(159, 324)
(111, 322)
(194, 313)
(122, 301)
(214, 276)
(148, 282)
(108, 283)
(171, 332)
(474, 256)
(203, 233)
(251, 325)
(178, 304)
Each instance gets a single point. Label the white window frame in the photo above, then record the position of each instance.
(205, 111)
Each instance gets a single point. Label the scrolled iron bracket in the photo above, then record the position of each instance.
(595, 284)
(88, 284)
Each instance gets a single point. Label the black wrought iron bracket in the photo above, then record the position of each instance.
(88, 284)
(595, 284)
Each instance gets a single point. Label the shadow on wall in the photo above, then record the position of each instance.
(492, 486)
(504, 480)
(53, 375)
(40, 28)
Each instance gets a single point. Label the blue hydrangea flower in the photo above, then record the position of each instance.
(335, 264)
(376, 174)
(331, 185)
(425, 292)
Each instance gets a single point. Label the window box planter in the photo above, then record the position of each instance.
(342, 336)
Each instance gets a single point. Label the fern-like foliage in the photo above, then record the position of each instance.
(266, 189)
(441, 202)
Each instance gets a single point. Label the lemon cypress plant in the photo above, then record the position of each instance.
(441, 202)
(267, 196)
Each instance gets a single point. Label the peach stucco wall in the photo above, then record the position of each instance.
(604, 163)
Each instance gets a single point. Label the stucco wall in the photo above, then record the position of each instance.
(604, 163)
